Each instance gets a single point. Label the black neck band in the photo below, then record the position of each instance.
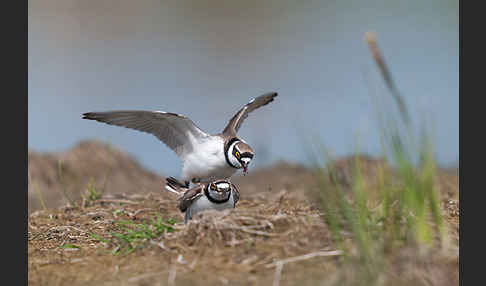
(226, 148)
(206, 192)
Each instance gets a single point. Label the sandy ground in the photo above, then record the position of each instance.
(276, 219)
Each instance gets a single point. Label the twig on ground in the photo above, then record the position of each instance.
(305, 256)
(245, 229)
(117, 201)
(181, 260)
(134, 214)
(278, 273)
(160, 244)
(280, 263)
(172, 275)
(143, 276)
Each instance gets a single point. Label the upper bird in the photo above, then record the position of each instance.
(205, 157)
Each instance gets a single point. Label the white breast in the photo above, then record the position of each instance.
(203, 203)
(207, 161)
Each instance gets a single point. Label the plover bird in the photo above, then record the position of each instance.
(215, 195)
(205, 157)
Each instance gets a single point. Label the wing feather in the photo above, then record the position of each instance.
(177, 131)
(189, 196)
(235, 122)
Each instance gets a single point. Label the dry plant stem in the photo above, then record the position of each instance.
(105, 181)
(37, 192)
(63, 184)
(370, 38)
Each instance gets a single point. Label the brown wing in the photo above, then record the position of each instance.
(236, 194)
(175, 130)
(189, 197)
(235, 122)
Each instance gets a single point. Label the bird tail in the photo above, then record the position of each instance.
(173, 181)
(175, 186)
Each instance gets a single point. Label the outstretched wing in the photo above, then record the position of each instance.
(189, 196)
(236, 121)
(175, 130)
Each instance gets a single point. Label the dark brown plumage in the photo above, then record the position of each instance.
(235, 122)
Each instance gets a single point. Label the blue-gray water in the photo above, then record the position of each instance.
(205, 59)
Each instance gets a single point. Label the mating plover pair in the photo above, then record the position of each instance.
(208, 160)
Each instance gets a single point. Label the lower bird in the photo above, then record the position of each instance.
(216, 195)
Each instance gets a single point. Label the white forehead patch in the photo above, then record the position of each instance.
(245, 159)
(223, 185)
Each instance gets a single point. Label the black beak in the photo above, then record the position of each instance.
(245, 167)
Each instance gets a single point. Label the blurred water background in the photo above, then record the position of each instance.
(207, 58)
